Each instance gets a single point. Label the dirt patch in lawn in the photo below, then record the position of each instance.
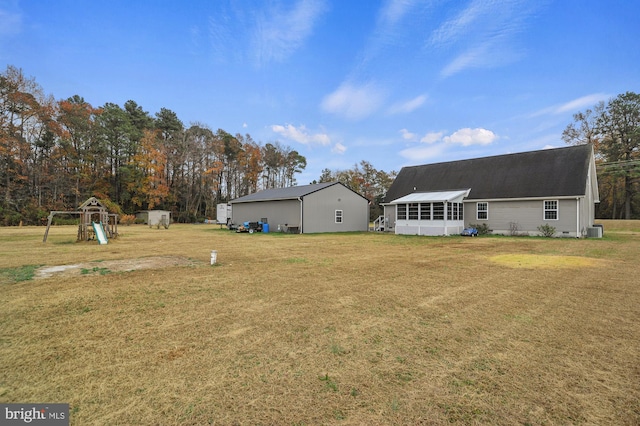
(109, 266)
(535, 261)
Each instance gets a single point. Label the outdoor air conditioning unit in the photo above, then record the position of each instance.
(595, 232)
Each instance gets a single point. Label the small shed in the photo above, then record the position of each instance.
(315, 208)
(155, 217)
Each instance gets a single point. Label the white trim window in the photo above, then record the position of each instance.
(551, 210)
(425, 211)
(438, 211)
(454, 211)
(413, 211)
(401, 212)
(482, 210)
(338, 216)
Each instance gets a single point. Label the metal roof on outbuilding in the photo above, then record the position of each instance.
(290, 193)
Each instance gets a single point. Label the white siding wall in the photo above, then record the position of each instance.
(320, 207)
(528, 215)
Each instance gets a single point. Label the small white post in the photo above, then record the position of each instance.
(214, 256)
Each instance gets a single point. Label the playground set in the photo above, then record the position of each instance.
(104, 228)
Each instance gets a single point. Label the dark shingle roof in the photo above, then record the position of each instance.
(292, 192)
(546, 173)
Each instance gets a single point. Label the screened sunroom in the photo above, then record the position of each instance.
(430, 213)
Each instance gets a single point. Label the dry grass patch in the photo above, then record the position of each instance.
(537, 261)
(322, 329)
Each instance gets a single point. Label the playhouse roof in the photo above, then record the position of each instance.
(92, 202)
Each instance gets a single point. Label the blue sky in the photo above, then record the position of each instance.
(392, 82)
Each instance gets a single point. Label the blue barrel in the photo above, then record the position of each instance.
(265, 227)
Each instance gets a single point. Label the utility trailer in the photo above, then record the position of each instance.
(250, 227)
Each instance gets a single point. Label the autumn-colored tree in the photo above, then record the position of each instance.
(149, 189)
(54, 155)
(252, 165)
(364, 179)
(25, 130)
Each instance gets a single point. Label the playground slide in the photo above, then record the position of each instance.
(99, 230)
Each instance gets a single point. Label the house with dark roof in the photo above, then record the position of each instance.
(322, 207)
(513, 193)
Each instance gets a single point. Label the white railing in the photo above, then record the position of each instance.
(379, 224)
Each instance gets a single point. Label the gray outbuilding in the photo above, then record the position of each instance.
(322, 207)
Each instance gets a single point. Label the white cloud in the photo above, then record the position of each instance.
(408, 106)
(279, 33)
(454, 28)
(434, 144)
(338, 148)
(354, 102)
(245, 125)
(407, 135)
(588, 101)
(391, 27)
(395, 10)
(301, 135)
(475, 57)
(468, 137)
(482, 34)
(432, 137)
(583, 102)
(265, 33)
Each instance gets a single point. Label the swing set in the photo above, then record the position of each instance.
(106, 225)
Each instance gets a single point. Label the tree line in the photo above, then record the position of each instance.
(614, 130)
(55, 154)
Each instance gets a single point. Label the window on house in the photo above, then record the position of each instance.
(413, 211)
(338, 216)
(454, 211)
(482, 211)
(438, 211)
(551, 210)
(401, 212)
(425, 211)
